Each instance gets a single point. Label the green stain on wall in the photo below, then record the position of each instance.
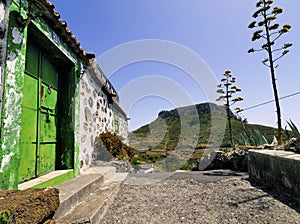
(68, 152)
(50, 34)
(12, 101)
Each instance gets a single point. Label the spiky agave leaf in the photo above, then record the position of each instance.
(294, 129)
(242, 139)
(259, 138)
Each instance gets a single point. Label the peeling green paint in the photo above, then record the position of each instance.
(51, 35)
(67, 156)
(12, 101)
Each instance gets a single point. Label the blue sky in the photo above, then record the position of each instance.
(215, 30)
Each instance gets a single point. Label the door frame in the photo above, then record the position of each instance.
(67, 82)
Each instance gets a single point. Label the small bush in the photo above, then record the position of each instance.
(192, 162)
(116, 147)
(135, 161)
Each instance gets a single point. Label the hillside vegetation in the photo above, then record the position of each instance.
(191, 127)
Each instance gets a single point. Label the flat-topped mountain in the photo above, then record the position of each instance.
(198, 109)
(191, 127)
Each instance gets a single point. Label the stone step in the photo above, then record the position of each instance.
(106, 171)
(74, 191)
(109, 173)
(94, 206)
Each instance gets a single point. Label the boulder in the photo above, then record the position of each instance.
(101, 152)
(293, 145)
(236, 160)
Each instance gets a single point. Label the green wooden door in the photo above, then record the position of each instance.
(39, 116)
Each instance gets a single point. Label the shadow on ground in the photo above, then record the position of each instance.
(279, 195)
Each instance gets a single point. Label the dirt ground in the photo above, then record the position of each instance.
(29, 206)
(199, 197)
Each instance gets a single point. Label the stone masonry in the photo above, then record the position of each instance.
(99, 112)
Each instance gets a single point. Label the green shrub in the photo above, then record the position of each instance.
(193, 161)
(135, 161)
(148, 158)
(116, 147)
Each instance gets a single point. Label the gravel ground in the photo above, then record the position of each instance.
(199, 197)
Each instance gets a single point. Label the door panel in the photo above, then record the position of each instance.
(32, 61)
(39, 127)
(49, 98)
(49, 73)
(47, 158)
(48, 123)
(28, 129)
(48, 128)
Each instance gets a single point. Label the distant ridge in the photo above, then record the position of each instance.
(202, 108)
(165, 132)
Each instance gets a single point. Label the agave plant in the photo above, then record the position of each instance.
(294, 129)
(293, 143)
(255, 138)
(227, 89)
(269, 31)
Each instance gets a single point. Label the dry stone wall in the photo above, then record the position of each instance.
(99, 113)
(276, 169)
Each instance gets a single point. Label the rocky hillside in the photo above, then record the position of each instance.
(191, 127)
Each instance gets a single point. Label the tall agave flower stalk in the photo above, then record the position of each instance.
(227, 89)
(269, 31)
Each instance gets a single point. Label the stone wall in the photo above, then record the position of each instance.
(99, 112)
(120, 122)
(277, 169)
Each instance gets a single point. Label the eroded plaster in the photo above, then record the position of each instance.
(17, 36)
(2, 12)
(5, 161)
(15, 49)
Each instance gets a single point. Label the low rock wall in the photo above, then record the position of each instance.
(277, 169)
